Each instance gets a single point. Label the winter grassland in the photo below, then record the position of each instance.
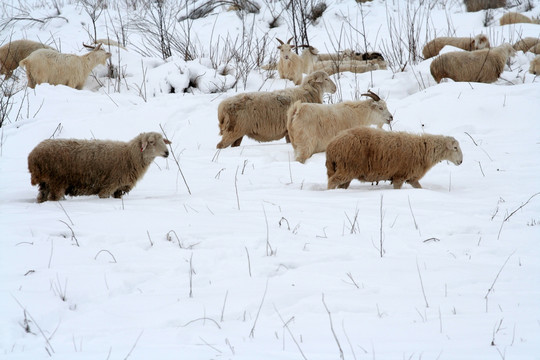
(242, 253)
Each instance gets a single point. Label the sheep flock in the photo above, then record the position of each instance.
(298, 113)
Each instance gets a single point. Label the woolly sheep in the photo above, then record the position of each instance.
(535, 49)
(12, 53)
(526, 44)
(477, 66)
(290, 65)
(312, 126)
(535, 66)
(313, 61)
(515, 18)
(354, 66)
(373, 155)
(263, 115)
(49, 66)
(433, 47)
(92, 167)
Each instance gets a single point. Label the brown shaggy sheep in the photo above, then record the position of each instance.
(433, 47)
(535, 66)
(92, 167)
(12, 53)
(312, 126)
(50, 66)
(476, 66)
(372, 155)
(526, 44)
(263, 115)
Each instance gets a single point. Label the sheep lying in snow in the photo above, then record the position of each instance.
(290, 65)
(433, 47)
(92, 167)
(50, 66)
(312, 126)
(354, 66)
(526, 44)
(515, 18)
(477, 66)
(535, 49)
(535, 66)
(263, 115)
(373, 155)
(109, 42)
(348, 60)
(12, 53)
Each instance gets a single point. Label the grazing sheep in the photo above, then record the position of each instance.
(290, 65)
(49, 66)
(312, 126)
(526, 44)
(263, 115)
(515, 18)
(373, 155)
(535, 66)
(92, 167)
(433, 47)
(13, 52)
(476, 66)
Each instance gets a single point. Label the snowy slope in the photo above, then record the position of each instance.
(260, 261)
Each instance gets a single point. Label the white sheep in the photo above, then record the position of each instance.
(312, 126)
(354, 66)
(13, 52)
(347, 59)
(515, 18)
(263, 115)
(476, 66)
(433, 47)
(535, 66)
(49, 66)
(109, 42)
(290, 66)
(92, 167)
(374, 155)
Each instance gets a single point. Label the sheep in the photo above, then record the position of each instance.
(49, 66)
(263, 115)
(477, 66)
(373, 155)
(92, 167)
(535, 66)
(290, 65)
(535, 49)
(109, 42)
(433, 47)
(526, 44)
(312, 126)
(13, 52)
(515, 18)
(354, 66)
(312, 60)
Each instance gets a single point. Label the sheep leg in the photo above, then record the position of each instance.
(43, 192)
(237, 142)
(287, 138)
(302, 155)
(228, 140)
(122, 191)
(338, 180)
(55, 193)
(415, 184)
(397, 183)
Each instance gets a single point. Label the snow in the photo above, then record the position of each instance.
(258, 260)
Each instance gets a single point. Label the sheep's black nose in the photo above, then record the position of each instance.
(166, 153)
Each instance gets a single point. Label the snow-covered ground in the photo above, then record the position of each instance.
(259, 260)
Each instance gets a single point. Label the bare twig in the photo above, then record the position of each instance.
(202, 319)
(176, 160)
(286, 326)
(107, 251)
(496, 277)
(341, 356)
(249, 262)
(252, 332)
(421, 283)
(513, 212)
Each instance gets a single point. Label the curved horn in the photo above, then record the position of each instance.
(88, 46)
(281, 42)
(288, 41)
(372, 95)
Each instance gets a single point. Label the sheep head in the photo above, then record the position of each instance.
(453, 151)
(285, 50)
(480, 42)
(378, 107)
(320, 79)
(152, 144)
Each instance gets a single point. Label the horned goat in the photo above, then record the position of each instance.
(535, 66)
(92, 167)
(312, 126)
(433, 47)
(13, 52)
(263, 115)
(516, 18)
(49, 66)
(476, 66)
(374, 155)
(526, 44)
(290, 66)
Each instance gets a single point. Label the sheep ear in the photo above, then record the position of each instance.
(144, 144)
(166, 141)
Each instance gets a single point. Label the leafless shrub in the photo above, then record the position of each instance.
(302, 14)
(477, 5)
(9, 113)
